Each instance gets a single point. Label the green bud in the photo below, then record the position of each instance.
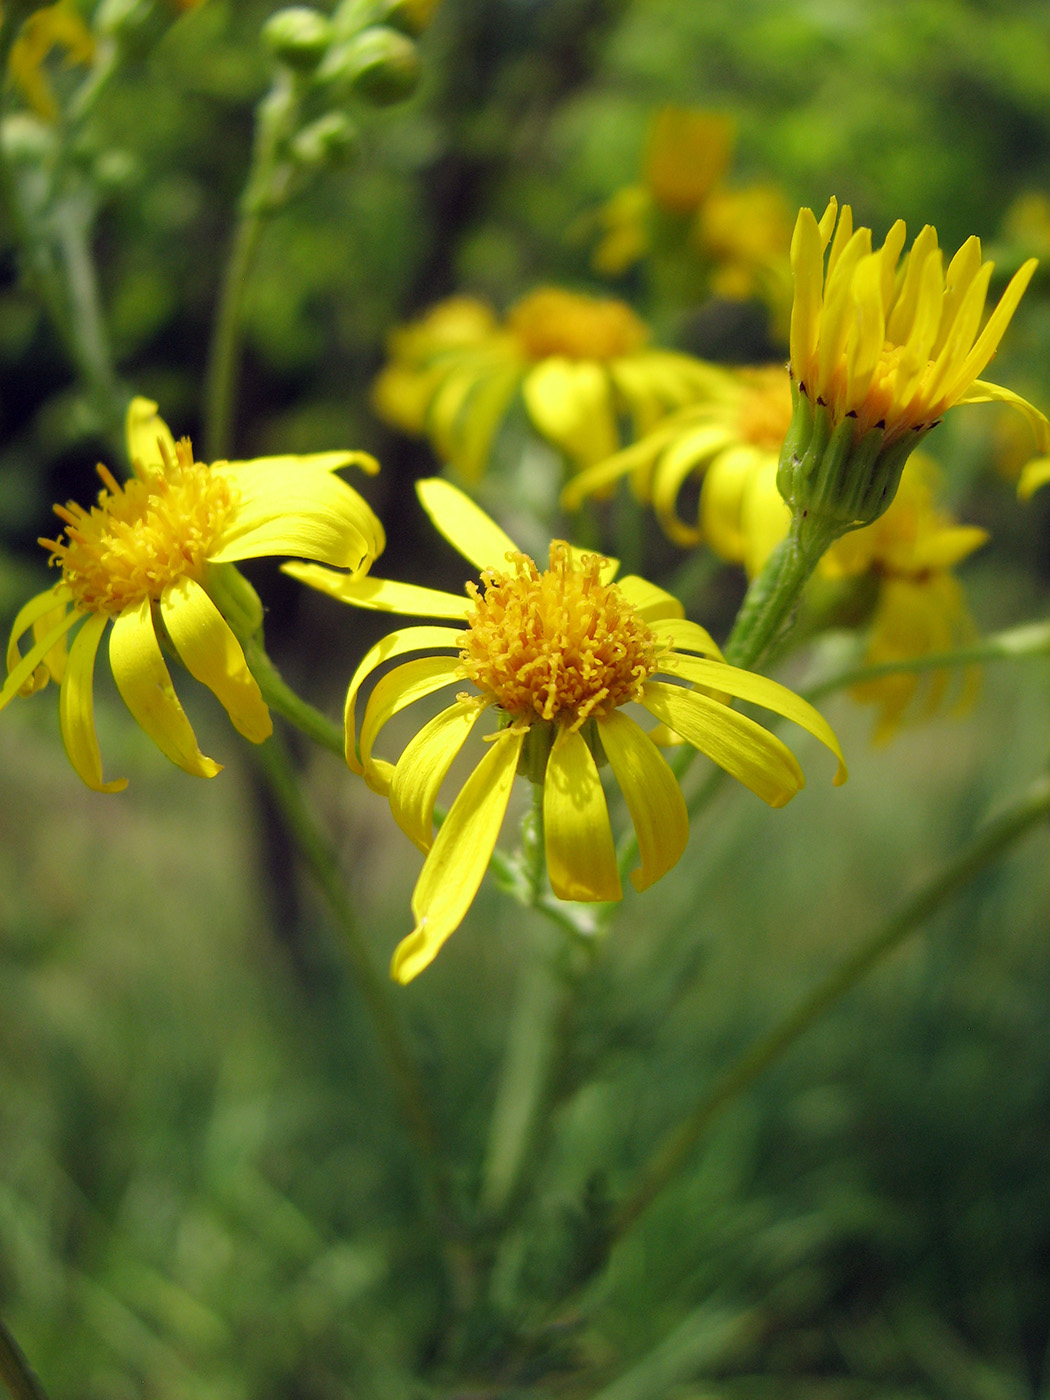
(298, 37)
(378, 64)
(28, 141)
(331, 140)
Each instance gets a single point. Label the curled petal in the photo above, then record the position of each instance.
(424, 765)
(42, 615)
(571, 404)
(145, 687)
(212, 655)
(652, 794)
(458, 858)
(380, 594)
(150, 443)
(76, 707)
(393, 693)
(581, 857)
(22, 678)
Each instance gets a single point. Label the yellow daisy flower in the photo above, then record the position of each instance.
(920, 608)
(555, 654)
(730, 439)
(687, 151)
(579, 363)
(53, 26)
(878, 356)
(148, 557)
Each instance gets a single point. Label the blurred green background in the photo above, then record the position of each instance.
(204, 1188)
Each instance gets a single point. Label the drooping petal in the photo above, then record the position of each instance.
(36, 615)
(458, 858)
(76, 707)
(980, 391)
(380, 594)
(390, 695)
(423, 767)
(571, 404)
(652, 794)
(212, 654)
(759, 690)
(386, 649)
(21, 678)
(690, 454)
(464, 524)
(145, 687)
(581, 856)
(1035, 474)
(149, 438)
(288, 506)
(743, 748)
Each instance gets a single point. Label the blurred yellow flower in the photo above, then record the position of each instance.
(745, 233)
(148, 557)
(730, 439)
(579, 363)
(555, 653)
(687, 152)
(1036, 473)
(54, 26)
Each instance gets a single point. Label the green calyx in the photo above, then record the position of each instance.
(834, 478)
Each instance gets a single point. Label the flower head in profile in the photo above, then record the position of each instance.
(154, 559)
(729, 441)
(579, 364)
(53, 26)
(552, 655)
(919, 608)
(879, 353)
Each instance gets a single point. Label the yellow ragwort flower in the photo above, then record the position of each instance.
(147, 558)
(687, 151)
(54, 26)
(579, 363)
(555, 653)
(920, 608)
(730, 439)
(878, 356)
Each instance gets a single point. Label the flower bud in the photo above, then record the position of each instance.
(331, 140)
(378, 64)
(298, 37)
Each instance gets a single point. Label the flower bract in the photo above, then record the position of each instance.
(552, 655)
(153, 561)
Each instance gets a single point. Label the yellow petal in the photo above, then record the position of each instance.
(464, 524)
(987, 342)
(581, 857)
(386, 649)
(36, 614)
(145, 687)
(807, 265)
(212, 654)
(21, 679)
(690, 454)
(287, 506)
(459, 857)
(149, 438)
(393, 693)
(652, 794)
(760, 690)
(743, 748)
(76, 707)
(1035, 474)
(571, 404)
(380, 594)
(423, 767)
(980, 391)
(649, 602)
(690, 636)
(470, 442)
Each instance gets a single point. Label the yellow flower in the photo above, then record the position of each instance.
(878, 356)
(53, 26)
(745, 233)
(920, 608)
(731, 440)
(148, 557)
(555, 653)
(580, 364)
(687, 152)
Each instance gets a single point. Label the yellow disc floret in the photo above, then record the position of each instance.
(142, 536)
(551, 321)
(557, 644)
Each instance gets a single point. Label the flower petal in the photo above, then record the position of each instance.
(1035, 474)
(76, 707)
(571, 404)
(465, 525)
(980, 391)
(145, 687)
(743, 748)
(36, 614)
(679, 632)
(390, 695)
(760, 690)
(652, 794)
(581, 857)
(287, 505)
(21, 679)
(212, 654)
(423, 766)
(459, 857)
(380, 594)
(649, 602)
(150, 443)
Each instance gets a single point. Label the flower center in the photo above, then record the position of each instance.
(142, 536)
(551, 321)
(557, 644)
(765, 407)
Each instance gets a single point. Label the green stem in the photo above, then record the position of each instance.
(15, 1371)
(281, 779)
(773, 597)
(997, 835)
(1030, 639)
